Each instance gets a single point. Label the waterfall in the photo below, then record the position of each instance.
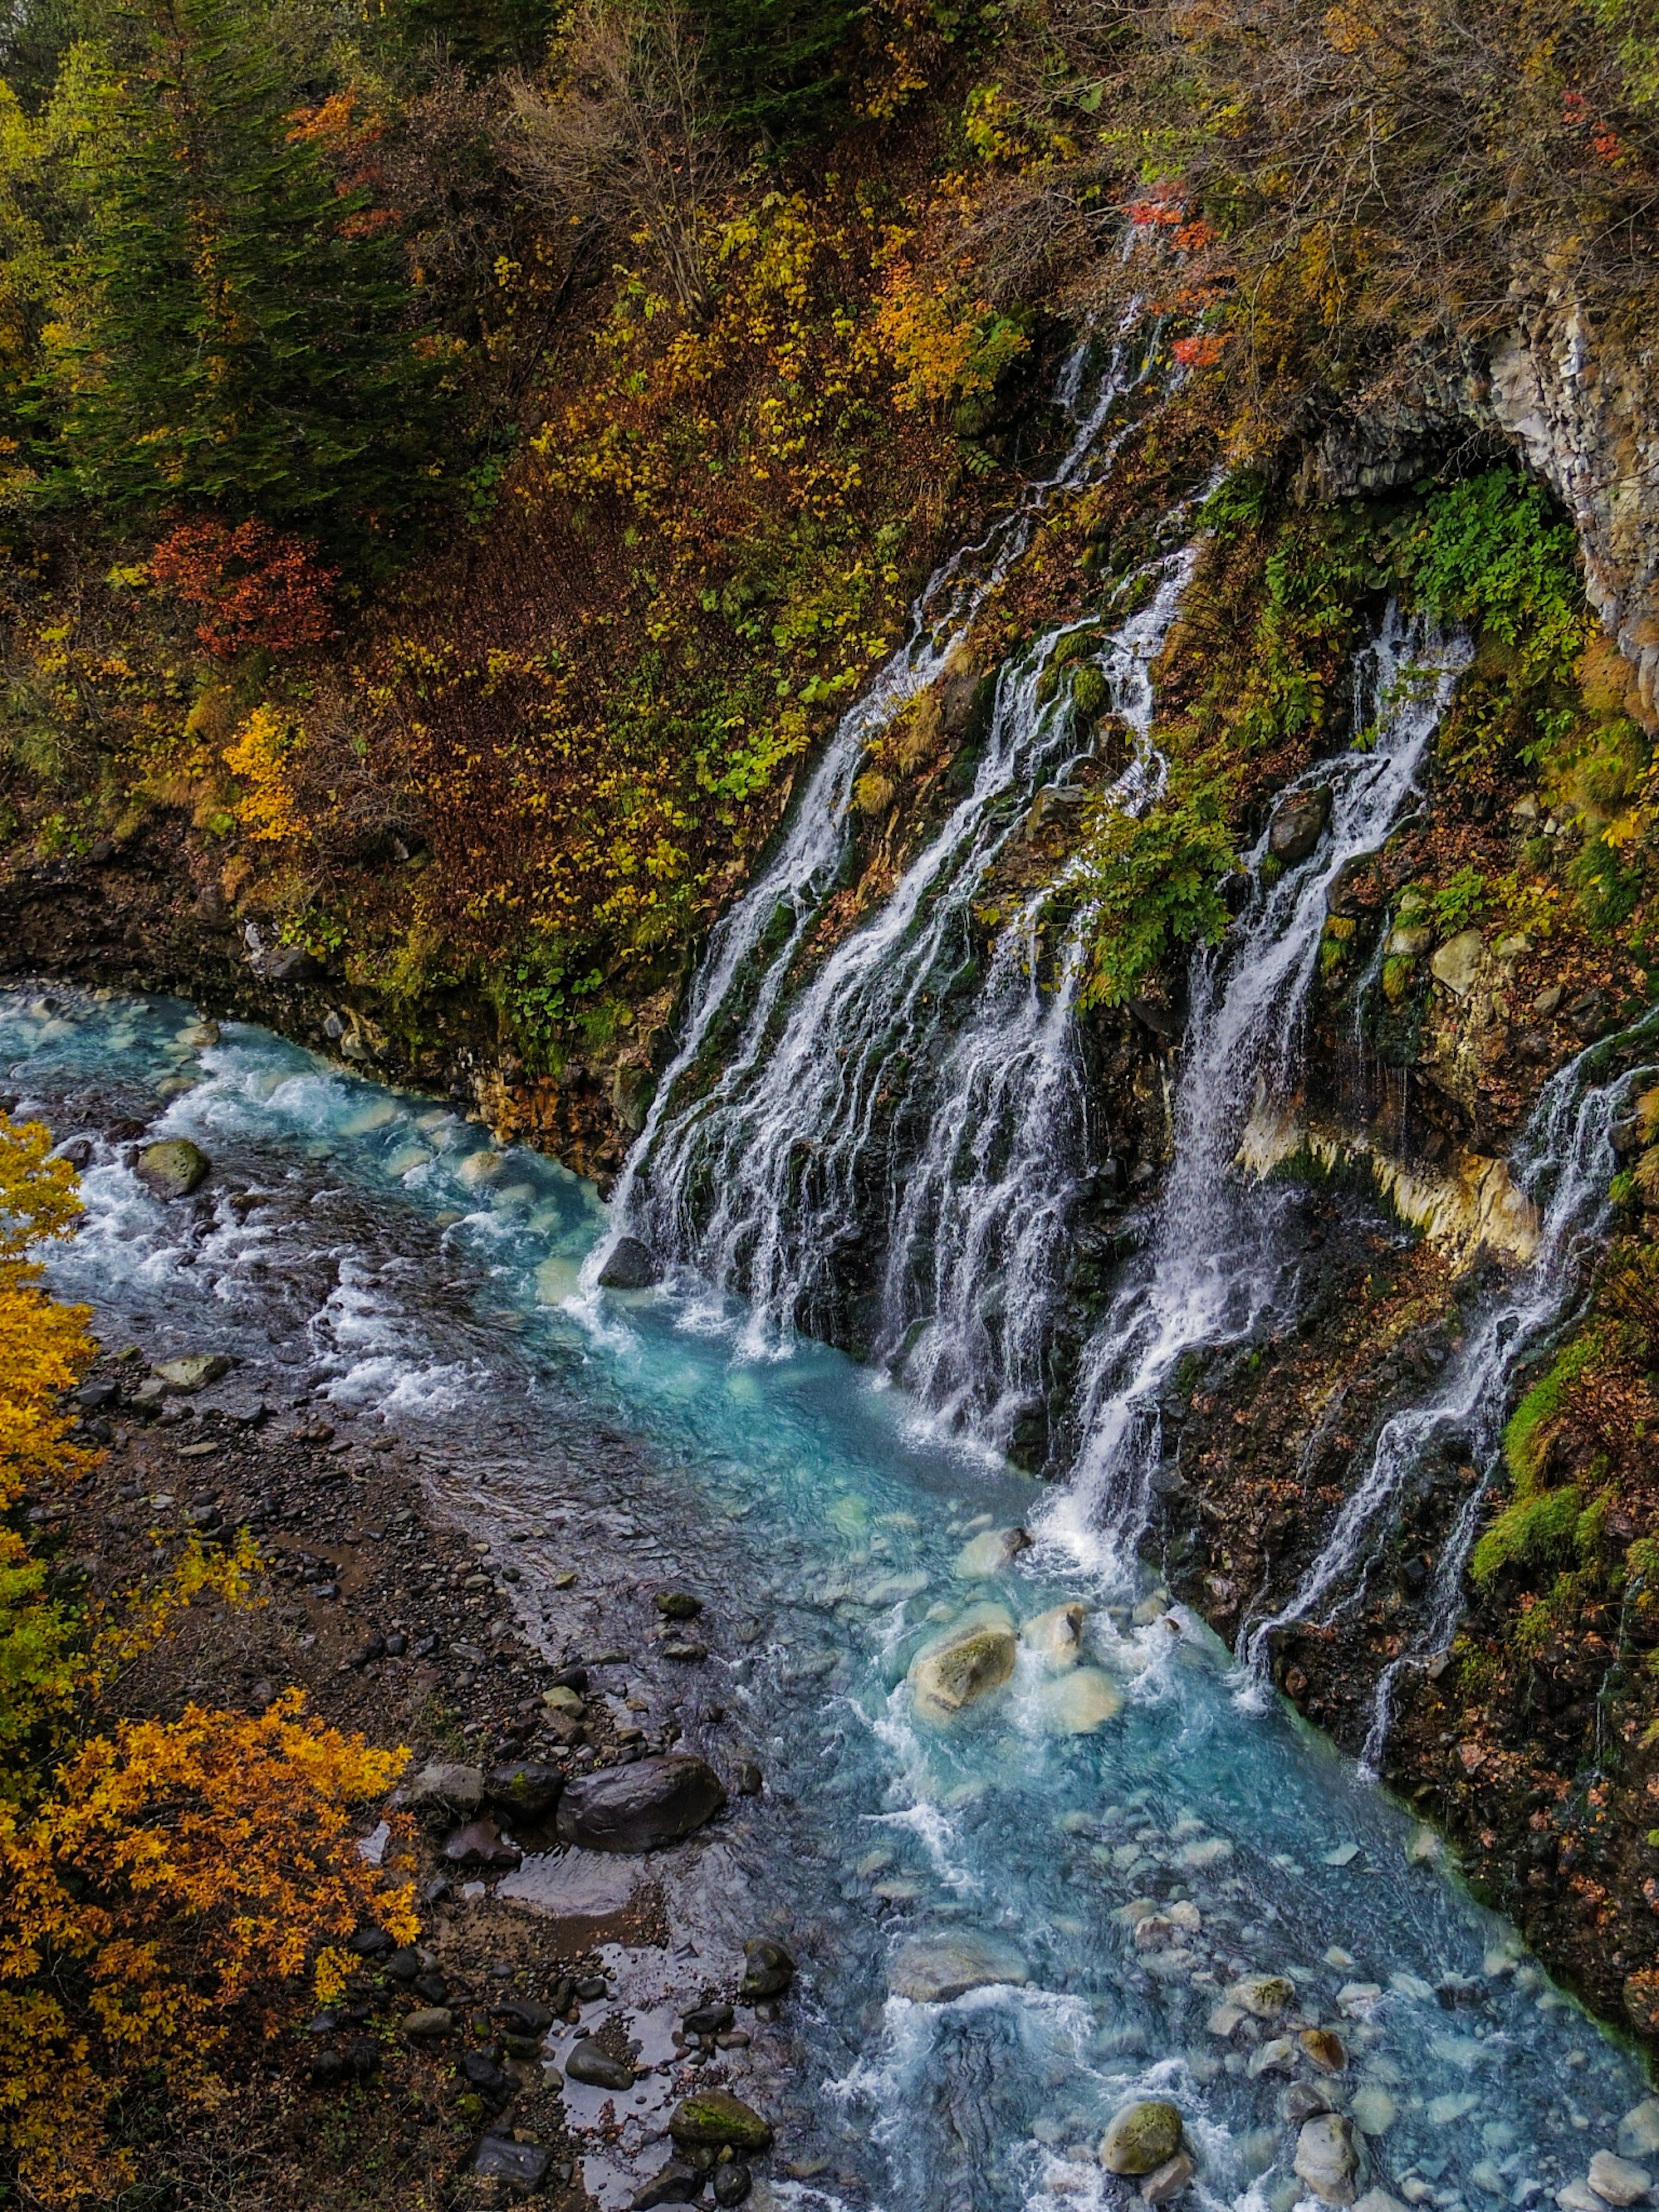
(785, 898)
(1211, 1270)
(1566, 1152)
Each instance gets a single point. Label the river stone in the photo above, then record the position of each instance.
(1325, 2047)
(572, 1885)
(526, 1789)
(597, 2069)
(1079, 1703)
(630, 1267)
(1458, 962)
(1373, 2109)
(444, 1785)
(192, 1371)
(1141, 2138)
(1327, 2158)
(173, 1168)
(641, 1807)
(976, 1656)
(673, 2183)
(938, 1969)
(1638, 2131)
(768, 1970)
(1265, 1996)
(1619, 2180)
(519, 2167)
(480, 1844)
(710, 2119)
(1378, 2200)
(1168, 2182)
(1055, 1636)
(989, 1553)
(431, 2021)
(1298, 823)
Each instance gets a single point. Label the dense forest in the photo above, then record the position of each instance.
(461, 459)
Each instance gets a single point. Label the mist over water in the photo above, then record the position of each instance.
(379, 1249)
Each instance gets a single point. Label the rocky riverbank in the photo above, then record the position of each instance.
(557, 2031)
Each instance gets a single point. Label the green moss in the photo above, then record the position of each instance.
(1532, 1423)
(1532, 1532)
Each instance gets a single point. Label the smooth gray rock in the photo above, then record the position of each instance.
(597, 2069)
(443, 1785)
(1619, 2180)
(525, 1788)
(656, 1801)
(768, 1970)
(1638, 2131)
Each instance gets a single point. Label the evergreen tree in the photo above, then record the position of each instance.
(237, 329)
(479, 34)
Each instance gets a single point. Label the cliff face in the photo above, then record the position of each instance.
(1573, 385)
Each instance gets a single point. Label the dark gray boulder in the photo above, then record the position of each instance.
(640, 1808)
(630, 1267)
(1298, 823)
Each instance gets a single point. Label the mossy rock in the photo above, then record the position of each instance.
(1141, 2137)
(173, 1168)
(710, 2119)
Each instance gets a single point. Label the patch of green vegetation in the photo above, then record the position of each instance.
(1532, 1424)
(1533, 1531)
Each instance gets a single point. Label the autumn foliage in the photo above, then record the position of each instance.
(251, 585)
(169, 1889)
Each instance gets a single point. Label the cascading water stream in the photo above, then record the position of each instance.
(1212, 1269)
(1566, 1151)
(787, 895)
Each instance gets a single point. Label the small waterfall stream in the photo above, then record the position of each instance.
(1212, 1270)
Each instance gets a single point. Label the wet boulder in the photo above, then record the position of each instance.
(518, 2168)
(525, 1788)
(641, 1807)
(1056, 1636)
(1638, 2131)
(1327, 2158)
(768, 1970)
(172, 1168)
(968, 1662)
(289, 963)
(1298, 822)
(1141, 2138)
(1324, 2046)
(989, 1553)
(713, 2119)
(630, 1266)
(677, 2183)
(597, 2069)
(1171, 2179)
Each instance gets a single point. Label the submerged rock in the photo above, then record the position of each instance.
(989, 1553)
(173, 1168)
(712, 2120)
(1141, 2138)
(630, 1267)
(1325, 2047)
(1057, 1635)
(1079, 1703)
(676, 2183)
(976, 1656)
(1327, 2158)
(640, 1808)
(938, 1969)
(1638, 2131)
